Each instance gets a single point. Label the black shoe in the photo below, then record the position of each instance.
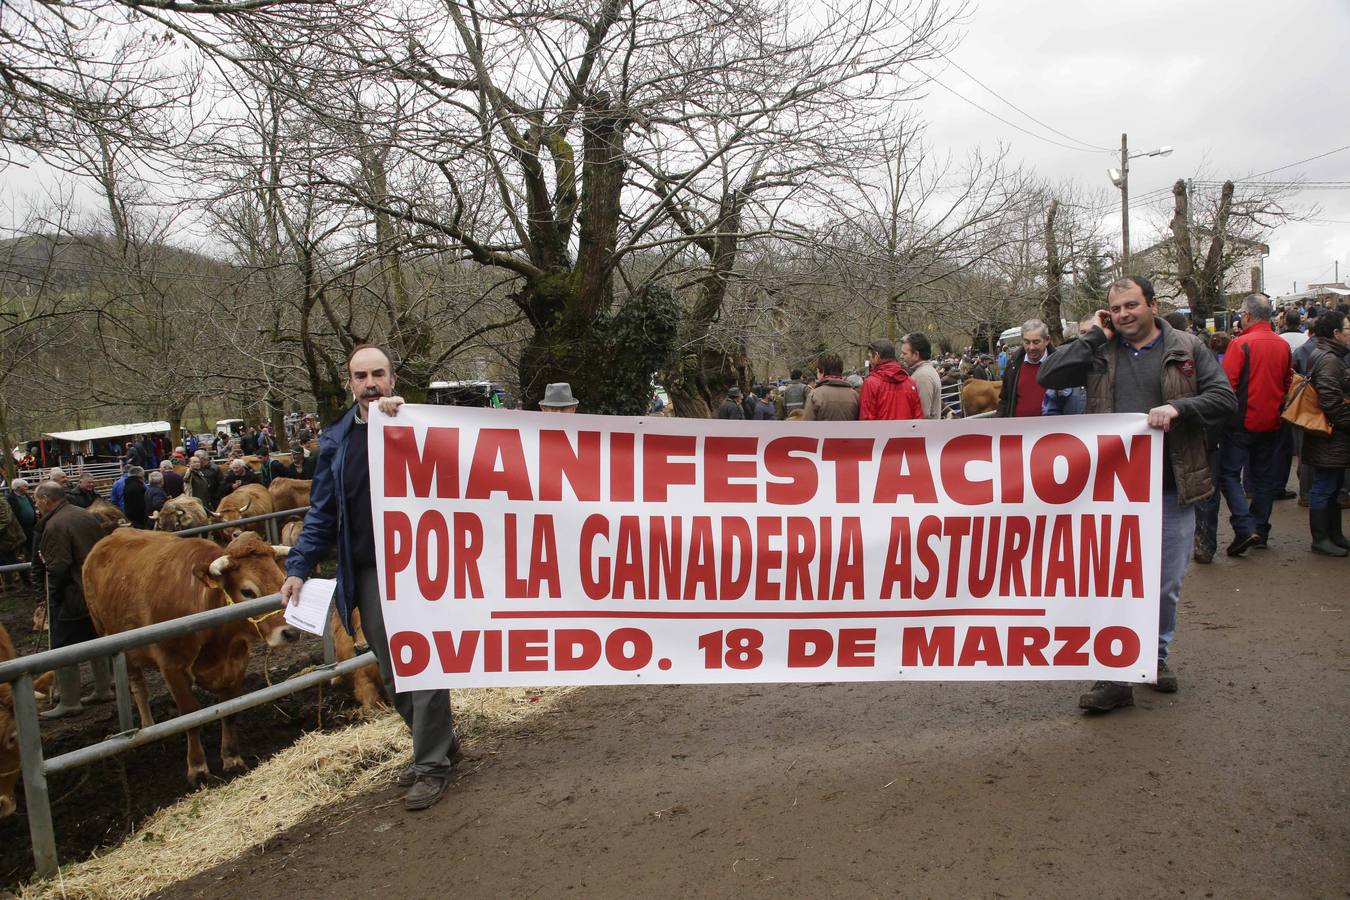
(1285, 495)
(1262, 542)
(407, 776)
(1167, 679)
(424, 792)
(1203, 555)
(1107, 695)
(1242, 543)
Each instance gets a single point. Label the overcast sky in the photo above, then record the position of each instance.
(1237, 87)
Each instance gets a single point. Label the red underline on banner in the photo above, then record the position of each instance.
(846, 614)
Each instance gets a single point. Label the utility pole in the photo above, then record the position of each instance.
(1124, 205)
(1121, 179)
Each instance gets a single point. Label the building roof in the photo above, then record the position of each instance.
(109, 431)
(1252, 246)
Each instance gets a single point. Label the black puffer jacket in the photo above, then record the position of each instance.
(1331, 378)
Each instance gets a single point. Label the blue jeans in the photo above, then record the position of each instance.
(1284, 457)
(1207, 511)
(1240, 450)
(1327, 482)
(1178, 534)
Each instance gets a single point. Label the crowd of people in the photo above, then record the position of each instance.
(1219, 400)
(1250, 455)
(1219, 397)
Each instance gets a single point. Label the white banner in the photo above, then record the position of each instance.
(522, 548)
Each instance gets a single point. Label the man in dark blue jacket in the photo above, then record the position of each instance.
(340, 516)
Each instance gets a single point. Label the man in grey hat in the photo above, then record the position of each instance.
(731, 406)
(558, 399)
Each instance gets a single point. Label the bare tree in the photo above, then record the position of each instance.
(1202, 282)
(583, 151)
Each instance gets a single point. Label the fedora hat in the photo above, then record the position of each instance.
(558, 394)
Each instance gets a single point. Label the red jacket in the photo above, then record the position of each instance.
(889, 393)
(1258, 366)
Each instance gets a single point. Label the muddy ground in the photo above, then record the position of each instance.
(1234, 787)
(97, 806)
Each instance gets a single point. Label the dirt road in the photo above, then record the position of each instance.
(1234, 787)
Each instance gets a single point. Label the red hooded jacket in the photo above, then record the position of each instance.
(889, 393)
(1258, 366)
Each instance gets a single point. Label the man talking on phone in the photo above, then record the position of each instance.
(1132, 361)
(340, 515)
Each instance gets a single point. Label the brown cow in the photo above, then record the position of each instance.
(180, 513)
(365, 682)
(978, 395)
(109, 516)
(247, 500)
(9, 732)
(290, 531)
(136, 578)
(9, 760)
(289, 493)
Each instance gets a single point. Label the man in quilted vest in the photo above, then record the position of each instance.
(1132, 361)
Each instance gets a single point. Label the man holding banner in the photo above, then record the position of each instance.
(1132, 361)
(340, 515)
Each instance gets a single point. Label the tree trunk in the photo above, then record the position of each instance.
(699, 379)
(175, 414)
(1213, 271)
(7, 466)
(1051, 307)
(1181, 239)
(1202, 283)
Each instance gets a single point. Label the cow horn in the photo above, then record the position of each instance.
(247, 503)
(154, 516)
(220, 565)
(281, 550)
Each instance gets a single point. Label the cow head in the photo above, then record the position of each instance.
(228, 512)
(9, 761)
(249, 569)
(180, 513)
(109, 516)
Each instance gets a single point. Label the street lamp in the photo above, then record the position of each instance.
(1121, 179)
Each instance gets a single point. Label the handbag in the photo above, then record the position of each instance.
(1302, 407)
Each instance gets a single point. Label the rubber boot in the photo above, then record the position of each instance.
(1318, 523)
(1334, 528)
(68, 683)
(102, 692)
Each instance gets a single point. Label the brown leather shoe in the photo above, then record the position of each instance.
(407, 776)
(424, 793)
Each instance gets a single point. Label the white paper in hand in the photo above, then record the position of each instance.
(311, 613)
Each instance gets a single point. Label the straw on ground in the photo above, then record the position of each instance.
(215, 825)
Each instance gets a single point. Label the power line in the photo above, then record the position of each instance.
(990, 112)
(968, 74)
(1294, 186)
(1301, 161)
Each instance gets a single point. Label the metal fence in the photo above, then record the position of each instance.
(951, 403)
(20, 673)
(104, 471)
